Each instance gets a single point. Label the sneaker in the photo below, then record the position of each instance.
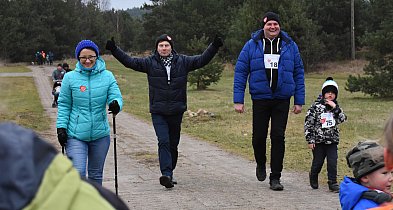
(166, 181)
(53, 105)
(276, 185)
(313, 180)
(333, 186)
(174, 181)
(261, 173)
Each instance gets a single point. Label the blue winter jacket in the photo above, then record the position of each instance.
(351, 196)
(250, 66)
(82, 102)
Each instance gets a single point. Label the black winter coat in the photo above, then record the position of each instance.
(167, 97)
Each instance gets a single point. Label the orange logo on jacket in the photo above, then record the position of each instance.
(82, 88)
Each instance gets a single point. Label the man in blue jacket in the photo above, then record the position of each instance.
(271, 63)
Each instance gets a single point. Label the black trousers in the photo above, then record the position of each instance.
(320, 152)
(265, 111)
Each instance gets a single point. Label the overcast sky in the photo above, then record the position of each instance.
(125, 4)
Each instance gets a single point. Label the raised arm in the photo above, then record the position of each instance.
(137, 64)
(198, 61)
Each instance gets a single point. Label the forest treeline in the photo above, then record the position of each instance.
(322, 28)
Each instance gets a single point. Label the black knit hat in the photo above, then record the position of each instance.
(270, 16)
(330, 86)
(365, 158)
(164, 37)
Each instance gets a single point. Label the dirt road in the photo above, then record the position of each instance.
(209, 178)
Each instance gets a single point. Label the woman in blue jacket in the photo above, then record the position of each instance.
(82, 123)
(167, 77)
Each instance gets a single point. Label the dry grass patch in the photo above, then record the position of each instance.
(21, 104)
(14, 69)
(146, 158)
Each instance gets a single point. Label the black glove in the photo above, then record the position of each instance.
(217, 42)
(114, 107)
(62, 136)
(111, 45)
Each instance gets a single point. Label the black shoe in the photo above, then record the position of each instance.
(276, 185)
(166, 181)
(333, 186)
(53, 105)
(174, 181)
(261, 173)
(313, 180)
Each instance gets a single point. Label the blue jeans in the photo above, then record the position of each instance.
(91, 152)
(167, 128)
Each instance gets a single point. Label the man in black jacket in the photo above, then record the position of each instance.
(167, 77)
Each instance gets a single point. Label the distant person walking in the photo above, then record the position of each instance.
(82, 123)
(167, 77)
(43, 54)
(271, 63)
(50, 57)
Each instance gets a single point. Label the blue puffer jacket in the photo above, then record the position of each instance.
(351, 196)
(83, 98)
(250, 65)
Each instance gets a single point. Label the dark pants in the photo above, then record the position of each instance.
(167, 128)
(320, 152)
(263, 112)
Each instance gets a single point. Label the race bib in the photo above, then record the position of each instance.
(271, 61)
(327, 120)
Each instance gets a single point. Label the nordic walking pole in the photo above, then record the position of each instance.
(114, 148)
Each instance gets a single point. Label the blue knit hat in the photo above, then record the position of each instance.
(86, 44)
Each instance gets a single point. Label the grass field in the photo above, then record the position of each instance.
(233, 131)
(21, 104)
(14, 69)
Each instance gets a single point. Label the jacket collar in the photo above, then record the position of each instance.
(97, 68)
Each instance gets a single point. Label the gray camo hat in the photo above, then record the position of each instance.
(365, 158)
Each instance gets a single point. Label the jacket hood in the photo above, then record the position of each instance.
(350, 193)
(97, 68)
(35, 176)
(24, 158)
(257, 35)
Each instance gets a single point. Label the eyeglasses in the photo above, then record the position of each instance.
(91, 58)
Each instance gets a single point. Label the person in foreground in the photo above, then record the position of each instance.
(167, 77)
(35, 176)
(271, 63)
(322, 133)
(372, 181)
(82, 122)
